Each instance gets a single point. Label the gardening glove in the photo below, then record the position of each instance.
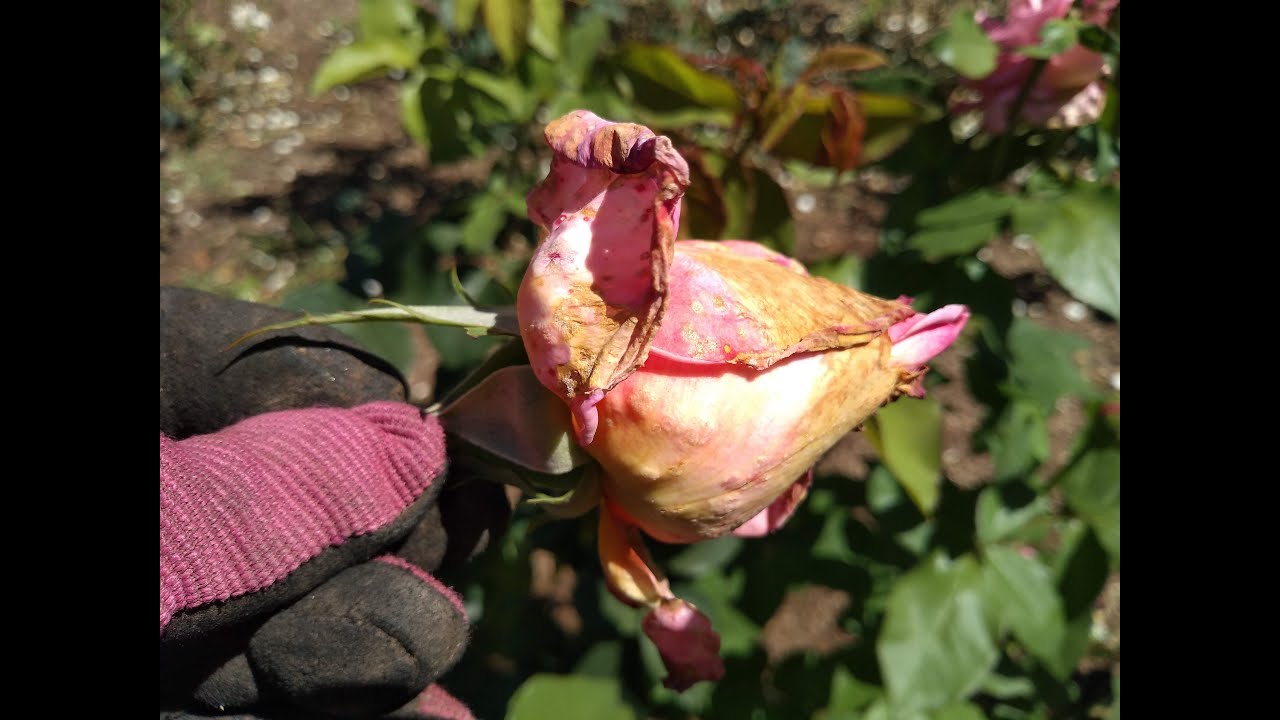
(303, 509)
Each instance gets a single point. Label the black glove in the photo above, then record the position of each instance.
(303, 509)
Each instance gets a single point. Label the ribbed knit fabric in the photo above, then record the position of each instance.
(243, 507)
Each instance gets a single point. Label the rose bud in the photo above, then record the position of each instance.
(705, 378)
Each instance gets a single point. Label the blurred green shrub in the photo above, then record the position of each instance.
(963, 603)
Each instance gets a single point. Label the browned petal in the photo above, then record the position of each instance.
(731, 306)
(595, 291)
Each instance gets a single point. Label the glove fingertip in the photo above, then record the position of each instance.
(426, 577)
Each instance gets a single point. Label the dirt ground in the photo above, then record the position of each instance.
(247, 208)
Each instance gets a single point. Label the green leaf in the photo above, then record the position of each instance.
(582, 43)
(1019, 441)
(485, 218)
(965, 47)
(1081, 567)
(1003, 510)
(1020, 595)
(626, 620)
(544, 28)
(935, 647)
(1056, 37)
(389, 19)
(972, 207)
(1115, 702)
(844, 269)
(908, 435)
(1043, 367)
(716, 594)
(960, 225)
(848, 693)
(411, 114)
(361, 60)
(891, 119)
(1098, 39)
(569, 697)
(604, 659)
(673, 81)
(512, 415)
(575, 503)
(789, 110)
(1092, 488)
(940, 243)
(464, 14)
(506, 21)
(508, 91)
(707, 556)
(1007, 687)
(963, 711)
(1078, 236)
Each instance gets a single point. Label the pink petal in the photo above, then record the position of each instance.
(689, 647)
(779, 511)
(585, 416)
(920, 338)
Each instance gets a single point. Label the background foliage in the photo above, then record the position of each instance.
(904, 587)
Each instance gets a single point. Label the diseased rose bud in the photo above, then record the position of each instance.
(706, 378)
(1068, 92)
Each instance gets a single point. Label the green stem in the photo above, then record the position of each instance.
(501, 321)
(1002, 152)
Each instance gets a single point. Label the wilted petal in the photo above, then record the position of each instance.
(779, 511)
(920, 338)
(739, 302)
(689, 647)
(596, 287)
(629, 571)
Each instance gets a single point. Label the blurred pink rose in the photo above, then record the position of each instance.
(1068, 92)
(706, 378)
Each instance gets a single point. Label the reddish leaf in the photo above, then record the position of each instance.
(843, 130)
(843, 58)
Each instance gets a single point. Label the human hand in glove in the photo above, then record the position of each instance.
(302, 511)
